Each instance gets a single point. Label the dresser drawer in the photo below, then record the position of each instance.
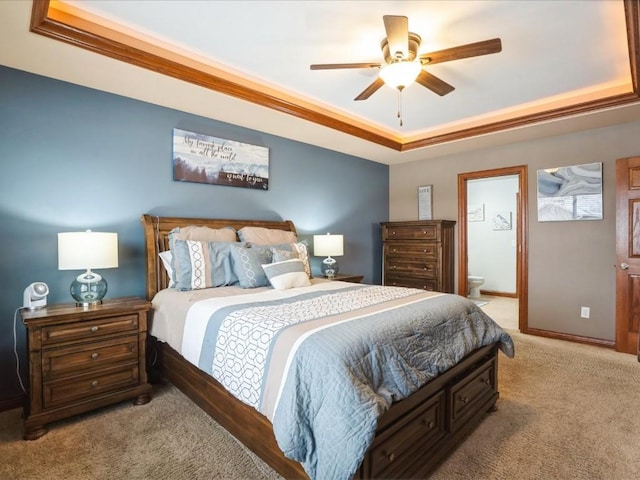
(88, 356)
(397, 280)
(84, 387)
(412, 267)
(99, 327)
(477, 387)
(411, 232)
(419, 430)
(411, 249)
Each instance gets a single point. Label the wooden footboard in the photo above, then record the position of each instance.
(411, 439)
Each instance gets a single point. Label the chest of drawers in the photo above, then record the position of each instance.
(419, 254)
(84, 358)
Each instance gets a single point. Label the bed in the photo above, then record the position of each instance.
(412, 433)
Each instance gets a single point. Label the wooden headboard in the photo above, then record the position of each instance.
(156, 234)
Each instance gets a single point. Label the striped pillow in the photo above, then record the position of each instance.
(199, 265)
(286, 274)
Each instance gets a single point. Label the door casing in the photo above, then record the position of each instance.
(521, 223)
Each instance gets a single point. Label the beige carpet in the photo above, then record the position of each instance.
(566, 411)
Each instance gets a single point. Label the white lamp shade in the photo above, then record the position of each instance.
(87, 250)
(328, 245)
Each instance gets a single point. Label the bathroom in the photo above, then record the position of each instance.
(492, 243)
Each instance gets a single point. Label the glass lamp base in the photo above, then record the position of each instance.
(329, 267)
(88, 289)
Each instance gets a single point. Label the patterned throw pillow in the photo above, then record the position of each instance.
(300, 249)
(287, 274)
(247, 265)
(199, 265)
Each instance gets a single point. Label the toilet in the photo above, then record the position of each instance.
(474, 285)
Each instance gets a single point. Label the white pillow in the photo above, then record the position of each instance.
(266, 236)
(286, 274)
(166, 258)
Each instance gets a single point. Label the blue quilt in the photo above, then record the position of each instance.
(324, 363)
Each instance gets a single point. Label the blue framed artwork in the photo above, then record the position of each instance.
(203, 158)
(570, 193)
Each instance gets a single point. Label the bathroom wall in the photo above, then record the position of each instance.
(491, 242)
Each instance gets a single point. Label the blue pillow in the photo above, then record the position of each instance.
(198, 265)
(247, 265)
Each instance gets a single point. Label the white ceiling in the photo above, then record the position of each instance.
(554, 53)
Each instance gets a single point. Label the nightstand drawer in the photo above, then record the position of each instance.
(86, 386)
(90, 329)
(66, 360)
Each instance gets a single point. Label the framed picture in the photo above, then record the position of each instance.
(425, 198)
(202, 158)
(570, 193)
(475, 213)
(502, 220)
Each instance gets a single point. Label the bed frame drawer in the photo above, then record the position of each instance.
(418, 430)
(478, 387)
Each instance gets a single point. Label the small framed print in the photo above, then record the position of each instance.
(425, 198)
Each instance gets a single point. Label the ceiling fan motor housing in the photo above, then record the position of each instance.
(414, 44)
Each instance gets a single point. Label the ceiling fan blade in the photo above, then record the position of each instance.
(371, 89)
(434, 83)
(397, 28)
(331, 66)
(463, 51)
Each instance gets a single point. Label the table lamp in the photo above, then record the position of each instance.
(87, 250)
(330, 246)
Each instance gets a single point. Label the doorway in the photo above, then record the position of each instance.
(520, 222)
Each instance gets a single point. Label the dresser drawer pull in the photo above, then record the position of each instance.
(463, 399)
(393, 233)
(424, 231)
(393, 267)
(94, 355)
(390, 456)
(429, 424)
(94, 328)
(486, 381)
(94, 383)
(394, 250)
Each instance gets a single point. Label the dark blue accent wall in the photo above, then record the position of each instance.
(74, 158)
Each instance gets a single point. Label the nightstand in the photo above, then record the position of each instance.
(346, 277)
(83, 358)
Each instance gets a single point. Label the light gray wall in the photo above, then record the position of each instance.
(74, 158)
(491, 252)
(571, 264)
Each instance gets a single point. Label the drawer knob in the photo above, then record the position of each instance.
(393, 267)
(94, 355)
(395, 250)
(486, 381)
(94, 328)
(429, 424)
(464, 399)
(391, 456)
(94, 383)
(424, 231)
(393, 233)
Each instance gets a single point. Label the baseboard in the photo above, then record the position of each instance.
(498, 294)
(571, 338)
(9, 403)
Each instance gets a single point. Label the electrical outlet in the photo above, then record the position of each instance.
(585, 312)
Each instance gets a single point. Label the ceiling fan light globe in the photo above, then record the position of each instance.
(399, 75)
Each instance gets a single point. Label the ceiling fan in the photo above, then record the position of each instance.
(402, 64)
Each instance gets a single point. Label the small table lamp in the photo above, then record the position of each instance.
(87, 250)
(331, 246)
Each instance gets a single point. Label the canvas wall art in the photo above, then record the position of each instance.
(203, 158)
(570, 193)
